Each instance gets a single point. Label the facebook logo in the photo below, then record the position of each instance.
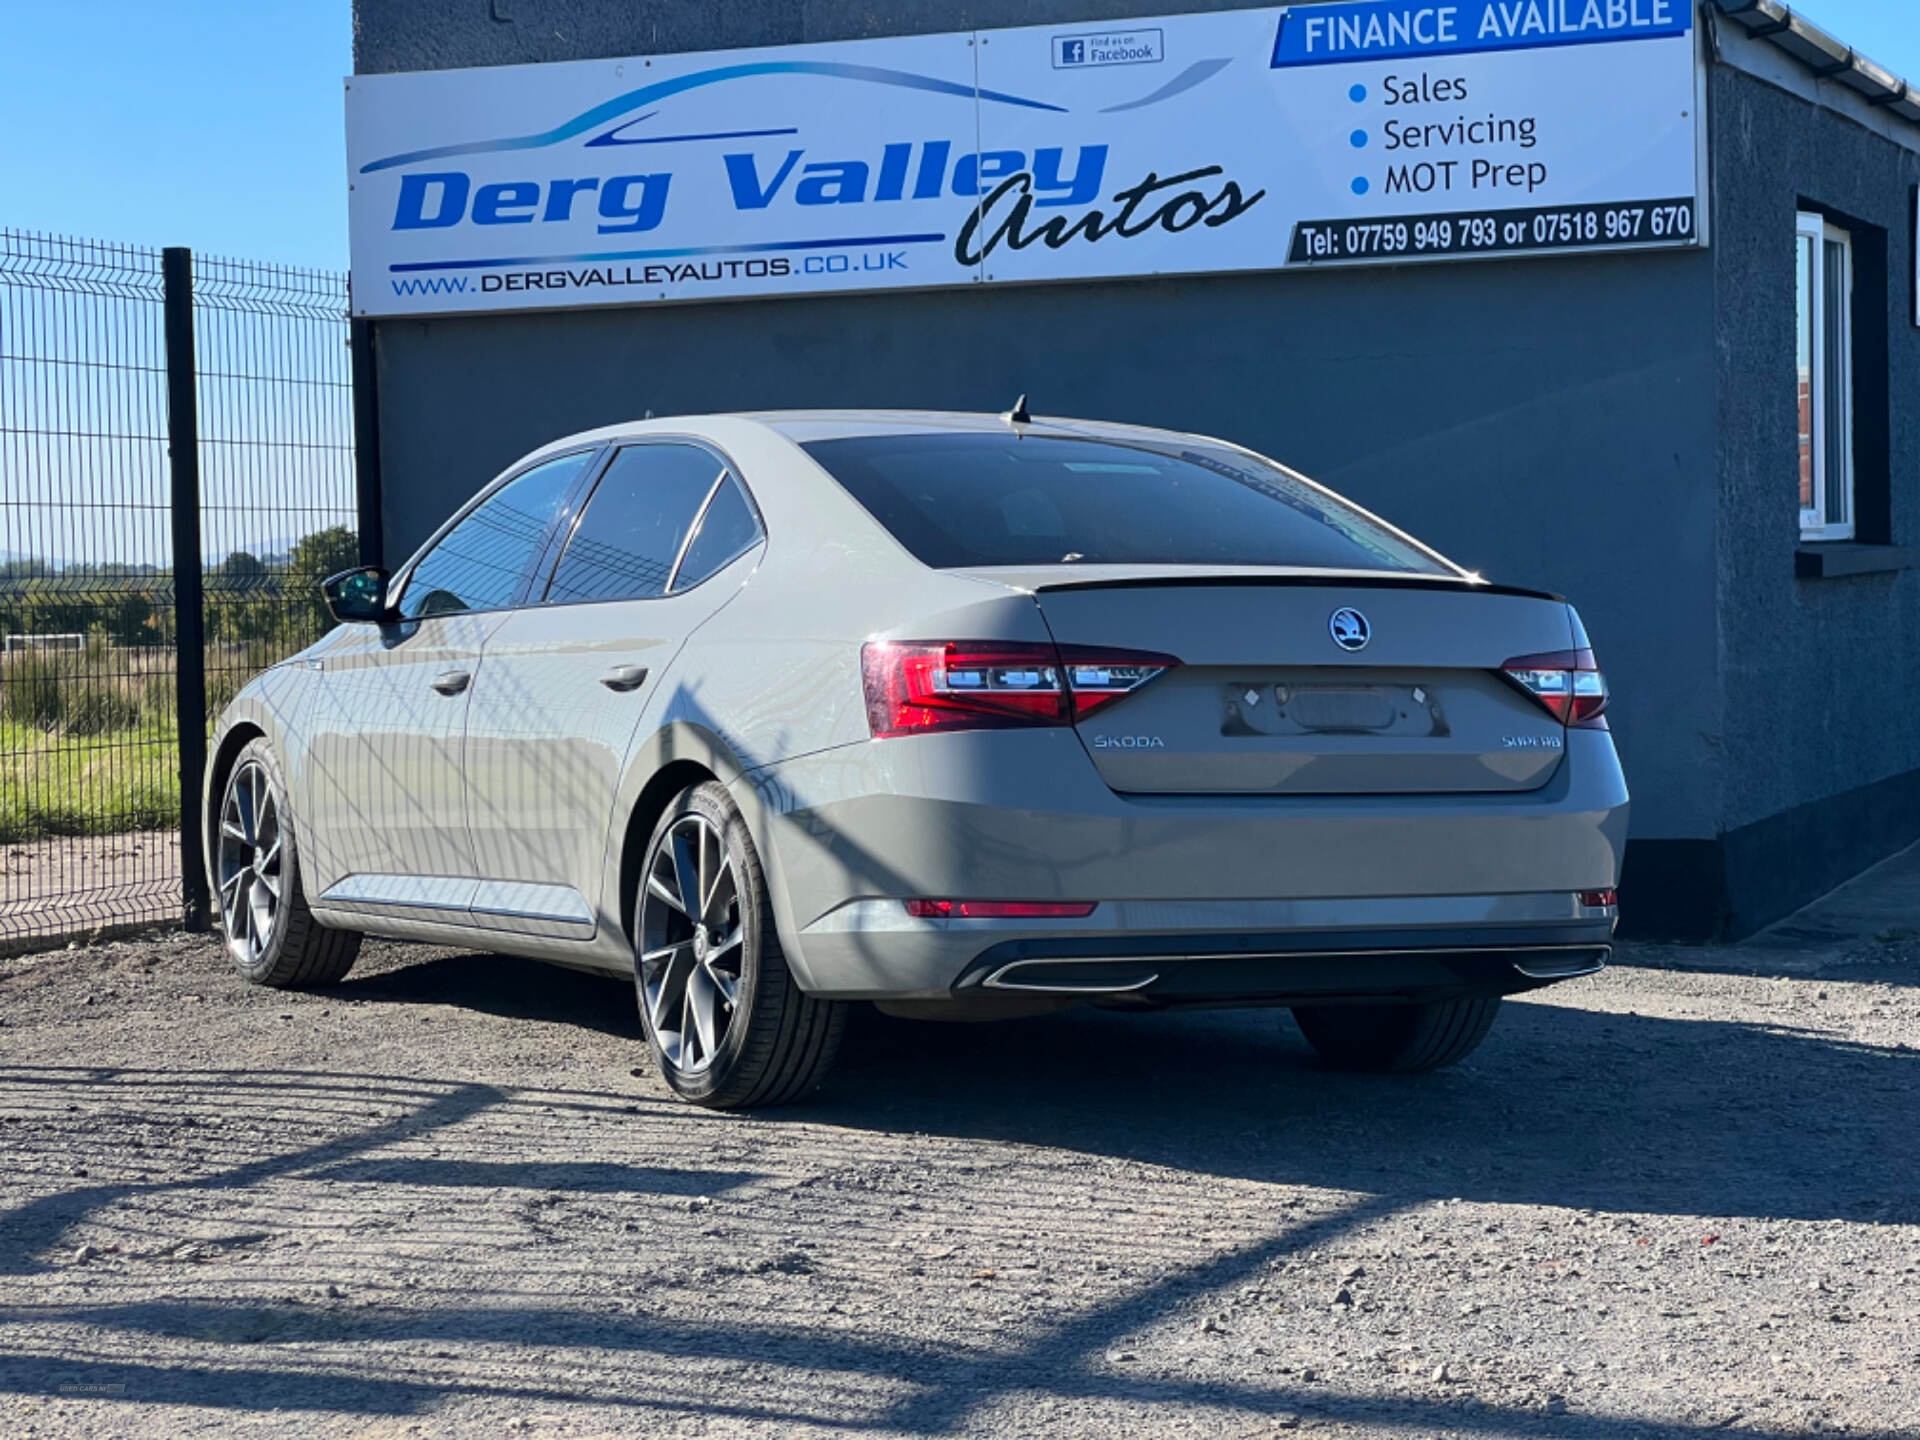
(1109, 47)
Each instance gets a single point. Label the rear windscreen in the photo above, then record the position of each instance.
(960, 499)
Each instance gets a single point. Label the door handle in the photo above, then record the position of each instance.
(625, 677)
(452, 682)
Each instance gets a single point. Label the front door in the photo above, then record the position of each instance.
(383, 796)
(566, 682)
(383, 815)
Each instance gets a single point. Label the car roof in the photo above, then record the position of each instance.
(804, 426)
(801, 427)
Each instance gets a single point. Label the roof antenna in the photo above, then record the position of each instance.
(1018, 414)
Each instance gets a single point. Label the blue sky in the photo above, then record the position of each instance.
(210, 123)
(1885, 31)
(217, 123)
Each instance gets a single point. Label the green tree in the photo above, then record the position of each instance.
(15, 568)
(241, 571)
(243, 600)
(314, 558)
(129, 617)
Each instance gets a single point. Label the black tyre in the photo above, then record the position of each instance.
(272, 937)
(1396, 1039)
(728, 1026)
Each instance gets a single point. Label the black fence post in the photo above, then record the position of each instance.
(366, 442)
(190, 654)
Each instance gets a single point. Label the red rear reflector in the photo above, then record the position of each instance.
(1567, 682)
(999, 909)
(923, 687)
(1598, 899)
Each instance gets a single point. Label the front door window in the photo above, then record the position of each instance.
(479, 564)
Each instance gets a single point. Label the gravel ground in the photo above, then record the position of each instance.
(87, 885)
(449, 1196)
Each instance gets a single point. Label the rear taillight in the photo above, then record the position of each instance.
(917, 689)
(922, 687)
(999, 909)
(1566, 682)
(1097, 678)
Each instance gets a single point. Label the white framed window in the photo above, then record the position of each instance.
(1824, 360)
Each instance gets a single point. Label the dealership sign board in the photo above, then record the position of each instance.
(1379, 131)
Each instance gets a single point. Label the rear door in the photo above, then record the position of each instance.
(1318, 688)
(566, 681)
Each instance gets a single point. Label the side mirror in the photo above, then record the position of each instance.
(357, 595)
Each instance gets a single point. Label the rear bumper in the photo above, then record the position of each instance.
(1271, 952)
(1286, 969)
(1306, 883)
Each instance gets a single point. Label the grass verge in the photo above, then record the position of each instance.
(105, 784)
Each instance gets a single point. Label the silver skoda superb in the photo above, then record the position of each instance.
(968, 716)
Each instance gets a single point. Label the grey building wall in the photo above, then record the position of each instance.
(1617, 428)
(1822, 684)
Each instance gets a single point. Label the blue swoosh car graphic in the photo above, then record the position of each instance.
(622, 105)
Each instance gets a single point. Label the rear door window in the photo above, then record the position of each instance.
(635, 523)
(727, 527)
(957, 499)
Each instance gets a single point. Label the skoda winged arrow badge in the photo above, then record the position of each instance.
(1349, 629)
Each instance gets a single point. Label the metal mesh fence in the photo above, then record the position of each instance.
(89, 673)
(89, 784)
(277, 503)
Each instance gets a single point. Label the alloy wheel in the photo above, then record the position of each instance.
(691, 950)
(251, 868)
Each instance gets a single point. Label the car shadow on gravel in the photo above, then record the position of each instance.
(1561, 1106)
(503, 985)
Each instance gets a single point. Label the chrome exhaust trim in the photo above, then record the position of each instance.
(1572, 970)
(1580, 960)
(1003, 978)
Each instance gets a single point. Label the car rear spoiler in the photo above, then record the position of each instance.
(1344, 582)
